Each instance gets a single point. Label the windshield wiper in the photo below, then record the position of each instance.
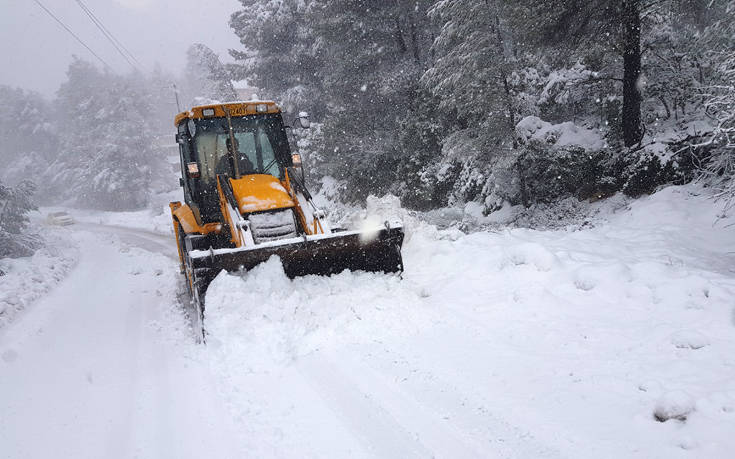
(269, 165)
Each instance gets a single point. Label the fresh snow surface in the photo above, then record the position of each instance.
(104, 366)
(613, 342)
(25, 280)
(563, 134)
(516, 344)
(157, 219)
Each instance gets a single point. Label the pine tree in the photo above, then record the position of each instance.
(280, 54)
(375, 53)
(625, 28)
(575, 24)
(422, 98)
(28, 134)
(206, 79)
(719, 37)
(107, 156)
(471, 74)
(15, 204)
(471, 78)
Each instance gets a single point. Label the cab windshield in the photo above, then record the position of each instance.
(261, 146)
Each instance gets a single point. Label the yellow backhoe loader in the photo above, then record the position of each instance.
(245, 201)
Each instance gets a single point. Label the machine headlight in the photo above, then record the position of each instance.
(193, 170)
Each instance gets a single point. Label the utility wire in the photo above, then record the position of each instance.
(104, 31)
(73, 34)
(113, 37)
(110, 37)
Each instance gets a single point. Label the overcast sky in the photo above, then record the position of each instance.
(35, 50)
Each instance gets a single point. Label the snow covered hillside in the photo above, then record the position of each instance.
(614, 341)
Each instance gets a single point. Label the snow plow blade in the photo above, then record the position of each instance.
(320, 255)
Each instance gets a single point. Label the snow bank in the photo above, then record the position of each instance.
(27, 279)
(689, 339)
(278, 319)
(155, 219)
(563, 134)
(674, 405)
(592, 337)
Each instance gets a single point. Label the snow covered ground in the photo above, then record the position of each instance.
(517, 343)
(513, 344)
(156, 218)
(104, 366)
(25, 280)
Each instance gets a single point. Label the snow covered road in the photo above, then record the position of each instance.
(100, 367)
(519, 344)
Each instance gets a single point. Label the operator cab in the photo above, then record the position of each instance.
(261, 147)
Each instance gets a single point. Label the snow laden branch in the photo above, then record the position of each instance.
(720, 106)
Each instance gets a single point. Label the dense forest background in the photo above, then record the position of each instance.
(442, 102)
(438, 102)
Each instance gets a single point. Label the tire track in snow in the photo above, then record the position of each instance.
(464, 411)
(387, 419)
(141, 238)
(93, 375)
(120, 436)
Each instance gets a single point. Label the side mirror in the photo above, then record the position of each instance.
(302, 121)
(182, 139)
(297, 164)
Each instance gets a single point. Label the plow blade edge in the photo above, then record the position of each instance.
(320, 255)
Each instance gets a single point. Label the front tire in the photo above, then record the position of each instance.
(191, 287)
(199, 331)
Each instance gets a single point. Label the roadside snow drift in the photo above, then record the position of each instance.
(615, 341)
(25, 280)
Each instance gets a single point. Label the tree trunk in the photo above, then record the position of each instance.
(400, 41)
(632, 130)
(666, 106)
(493, 10)
(522, 183)
(415, 38)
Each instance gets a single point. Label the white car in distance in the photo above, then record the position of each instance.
(59, 218)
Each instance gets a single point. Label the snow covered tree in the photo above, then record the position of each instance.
(653, 38)
(720, 105)
(28, 134)
(355, 66)
(422, 98)
(206, 79)
(160, 88)
(15, 204)
(107, 154)
(471, 74)
(375, 53)
(481, 78)
(616, 25)
(280, 55)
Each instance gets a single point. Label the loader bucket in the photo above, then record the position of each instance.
(320, 255)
